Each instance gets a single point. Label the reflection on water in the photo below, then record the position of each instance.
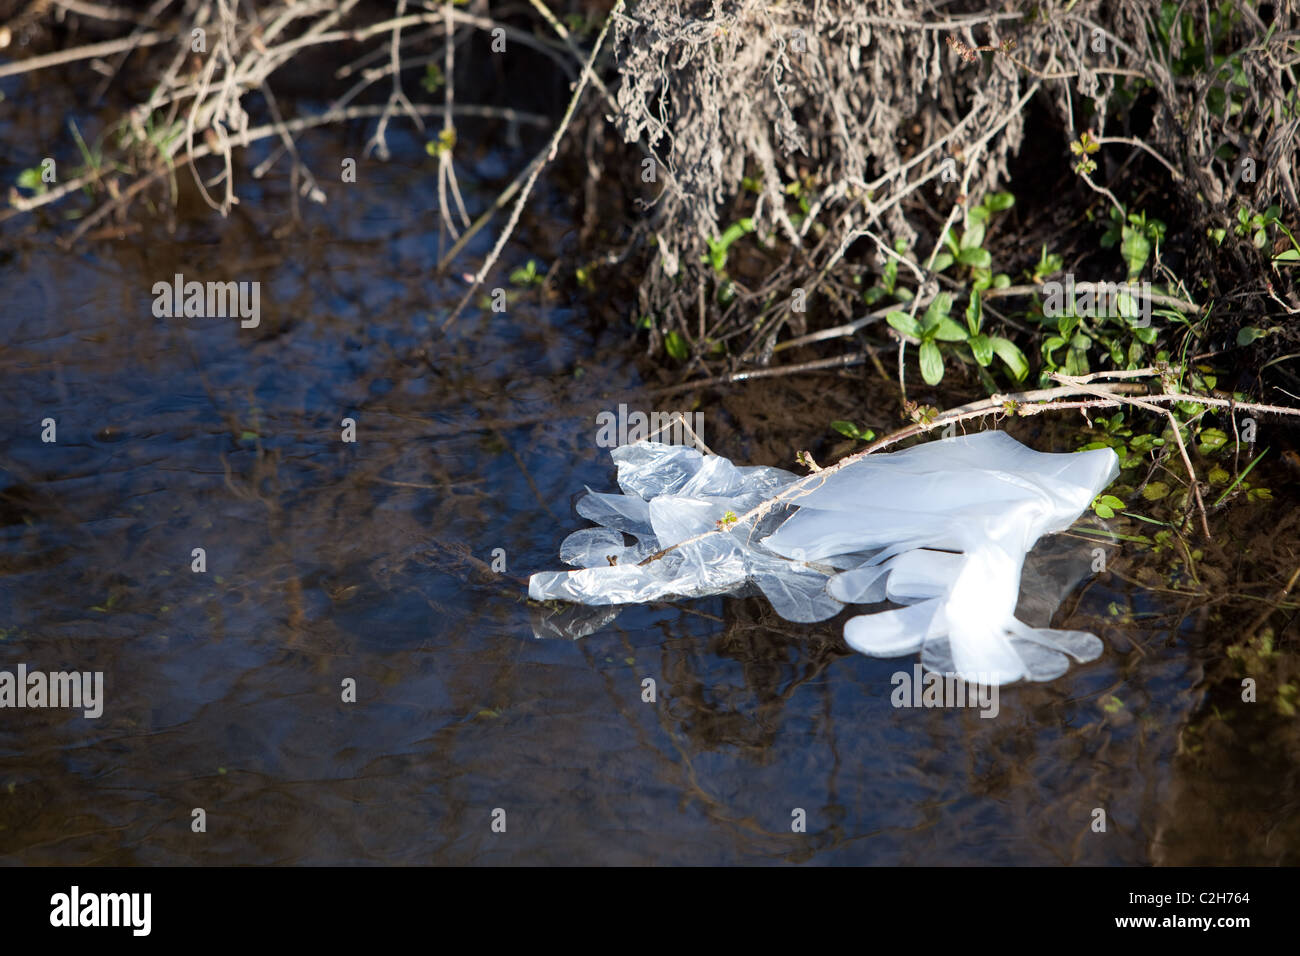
(372, 562)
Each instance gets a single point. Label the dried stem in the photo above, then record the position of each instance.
(1034, 402)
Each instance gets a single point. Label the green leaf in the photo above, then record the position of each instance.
(999, 201)
(848, 429)
(31, 179)
(445, 142)
(1076, 362)
(1287, 255)
(975, 312)
(1136, 249)
(939, 306)
(904, 323)
(1155, 491)
(975, 257)
(1106, 505)
(942, 261)
(1248, 334)
(717, 255)
(1143, 443)
(931, 363)
(973, 237)
(890, 276)
(1011, 356)
(1212, 439)
(982, 348)
(949, 331)
(526, 275)
(677, 346)
(433, 78)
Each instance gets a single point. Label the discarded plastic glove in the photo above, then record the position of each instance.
(672, 494)
(941, 528)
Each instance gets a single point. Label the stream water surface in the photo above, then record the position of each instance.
(329, 562)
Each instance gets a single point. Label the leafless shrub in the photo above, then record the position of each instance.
(867, 101)
(882, 117)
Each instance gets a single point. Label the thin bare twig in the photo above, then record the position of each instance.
(1034, 402)
(532, 179)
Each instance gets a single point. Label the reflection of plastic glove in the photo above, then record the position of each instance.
(941, 528)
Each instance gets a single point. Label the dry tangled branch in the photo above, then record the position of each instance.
(828, 126)
(871, 110)
(218, 62)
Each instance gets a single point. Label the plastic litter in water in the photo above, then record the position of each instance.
(941, 529)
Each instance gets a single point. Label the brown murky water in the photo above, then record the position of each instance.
(369, 562)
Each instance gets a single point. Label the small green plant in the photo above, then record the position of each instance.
(1105, 506)
(717, 256)
(1256, 225)
(718, 248)
(937, 325)
(1083, 148)
(1048, 265)
(888, 285)
(1113, 324)
(850, 430)
(1137, 237)
(159, 136)
(445, 142)
(527, 275)
(1253, 493)
(1249, 333)
(433, 80)
(800, 190)
(969, 249)
(30, 179)
(676, 346)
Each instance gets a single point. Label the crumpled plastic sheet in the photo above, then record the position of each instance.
(941, 529)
